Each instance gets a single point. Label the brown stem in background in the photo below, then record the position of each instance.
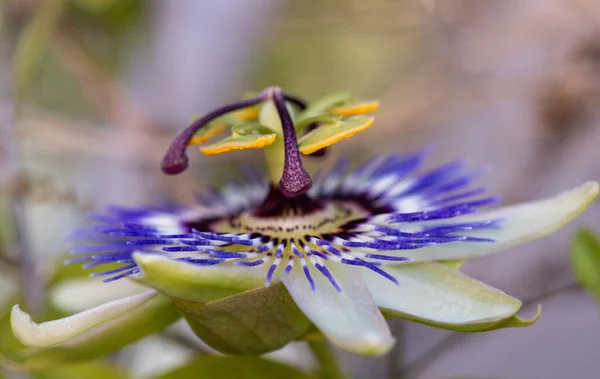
(99, 88)
(130, 135)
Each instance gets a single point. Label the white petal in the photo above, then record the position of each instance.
(351, 319)
(78, 294)
(523, 223)
(437, 294)
(55, 332)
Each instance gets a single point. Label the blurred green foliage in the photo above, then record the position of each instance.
(12, 352)
(103, 29)
(234, 367)
(33, 42)
(350, 45)
(585, 260)
(90, 370)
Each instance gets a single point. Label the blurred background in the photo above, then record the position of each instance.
(99, 87)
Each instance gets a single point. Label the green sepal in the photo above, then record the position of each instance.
(585, 260)
(234, 367)
(250, 323)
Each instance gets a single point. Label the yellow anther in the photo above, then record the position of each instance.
(355, 109)
(246, 114)
(238, 143)
(207, 134)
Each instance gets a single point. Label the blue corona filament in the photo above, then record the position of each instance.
(390, 208)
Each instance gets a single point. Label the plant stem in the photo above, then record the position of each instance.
(327, 361)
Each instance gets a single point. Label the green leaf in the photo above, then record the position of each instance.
(585, 260)
(234, 367)
(93, 370)
(253, 322)
(328, 134)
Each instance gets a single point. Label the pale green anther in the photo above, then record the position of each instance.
(322, 104)
(244, 135)
(328, 134)
(251, 128)
(325, 118)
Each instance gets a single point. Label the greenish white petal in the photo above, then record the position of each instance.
(350, 319)
(89, 334)
(58, 331)
(441, 296)
(521, 223)
(196, 283)
(78, 294)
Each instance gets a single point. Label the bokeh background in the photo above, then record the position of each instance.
(98, 88)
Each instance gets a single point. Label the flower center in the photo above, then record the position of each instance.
(295, 223)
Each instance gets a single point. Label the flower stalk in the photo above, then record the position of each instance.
(330, 369)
